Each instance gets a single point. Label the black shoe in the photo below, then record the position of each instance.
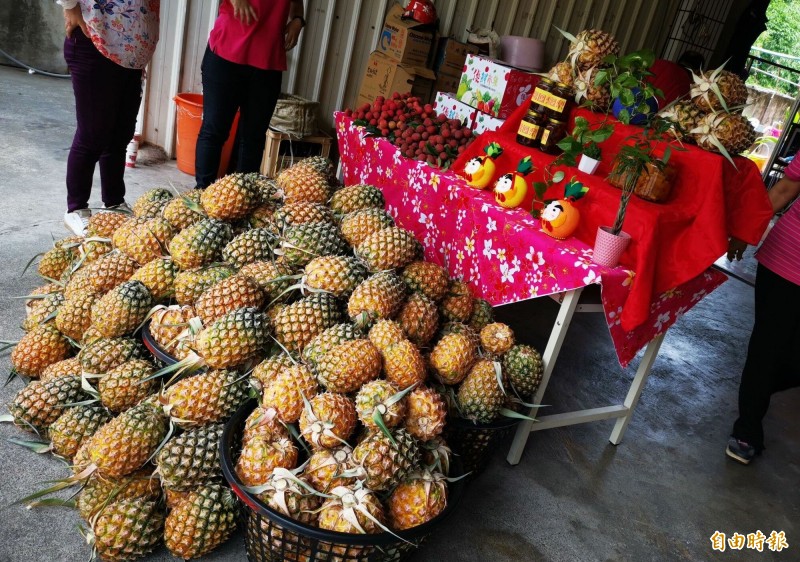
(740, 451)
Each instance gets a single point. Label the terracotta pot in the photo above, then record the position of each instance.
(588, 165)
(609, 247)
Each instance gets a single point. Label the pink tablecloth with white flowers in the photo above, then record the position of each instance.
(501, 253)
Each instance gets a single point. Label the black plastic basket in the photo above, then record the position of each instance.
(152, 345)
(271, 536)
(474, 444)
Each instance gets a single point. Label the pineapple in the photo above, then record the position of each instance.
(356, 197)
(226, 296)
(380, 397)
(482, 314)
(389, 248)
(427, 278)
(124, 386)
(260, 457)
(358, 225)
(298, 323)
(169, 327)
(103, 224)
(200, 244)
(718, 90)
(98, 492)
(210, 397)
(91, 250)
(271, 276)
(418, 499)
(264, 217)
(385, 461)
(303, 242)
(204, 520)
(480, 396)
(497, 338)
(325, 467)
(234, 339)
(724, 132)
(597, 97)
(127, 529)
(145, 242)
(302, 213)
(39, 348)
(348, 366)
(267, 187)
(589, 48)
(419, 318)
(41, 403)
(459, 303)
(191, 459)
(385, 333)
(338, 275)
(270, 367)
(125, 443)
(379, 296)
(452, 357)
(159, 278)
(264, 424)
(250, 246)
(287, 391)
(45, 313)
(56, 261)
(346, 512)
(563, 72)
(303, 185)
(80, 280)
(326, 340)
(74, 427)
(232, 197)
(329, 420)
(122, 309)
(686, 115)
(150, 204)
(189, 285)
(321, 164)
(524, 367)
(463, 329)
(403, 364)
(427, 413)
(184, 211)
(104, 354)
(107, 272)
(289, 496)
(63, 368)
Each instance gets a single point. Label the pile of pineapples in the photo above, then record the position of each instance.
(303, 295)
(711, 117)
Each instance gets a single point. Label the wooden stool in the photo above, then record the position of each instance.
(282, 150)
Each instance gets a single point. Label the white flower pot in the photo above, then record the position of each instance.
(588, 165)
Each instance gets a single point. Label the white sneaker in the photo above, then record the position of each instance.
(122, 208)
(77, 221)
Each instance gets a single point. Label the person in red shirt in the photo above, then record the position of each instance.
(771, 365)
(241, 70)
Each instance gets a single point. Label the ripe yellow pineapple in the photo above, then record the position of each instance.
(271, 276)
(590, 46)
(74, 427)
(380, 397)
(204, 520)
(419, 318)
(452, 357)
(63, 368)
(270, 367)
(325, 467)
(384, 462)
(389, 248)
(124, 386)
(122, 309)
(303, 185)
(358, 225)
(250, 246)
(189, 285)
(338, 275)
(329, 420)
(301, 213)
(497, 338)
(286, 392)
(427, 413)
(97, 492)
(260, 457)
(159, 277)
(379, 296)
(103, 224)
(232, 197)
(39, 348)
(349, 365)
(183, 211)
(731, 132)
(346, 507)
(234, 292)
(45, 313)
(418, 499)
(563, 72)
(480, 397)
(303, 242)
(403, 364)
(127, 529)
(459, 303)
(297, 323)
(103, 354)
(327, 340)
(209, 397)
(151, 203)
(108, 271)
(427, 278)
(385, 333)
(57, 260)
(264, 424)
(356, 197)
(147, 241)
(168, 324)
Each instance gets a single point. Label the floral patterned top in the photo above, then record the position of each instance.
(124, 31)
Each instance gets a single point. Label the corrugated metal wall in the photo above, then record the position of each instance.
(333, 50)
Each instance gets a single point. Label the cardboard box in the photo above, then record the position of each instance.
(453, 109)
(484, 122)
(384, 76)
(451, 55)
(403, 41)
(447, 82)
(493, 87)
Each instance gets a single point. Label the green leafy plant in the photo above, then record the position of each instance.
(626, 77)
(584, 139)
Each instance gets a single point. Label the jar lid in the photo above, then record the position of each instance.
(557, 121)
(534, 113)
(564, 86)
(547, 80)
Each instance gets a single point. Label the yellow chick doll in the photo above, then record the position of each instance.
(479, 171)
(510, 190)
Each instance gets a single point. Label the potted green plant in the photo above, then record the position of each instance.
(581, 146)
(627, 78)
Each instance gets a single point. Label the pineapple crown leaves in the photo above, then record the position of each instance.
(30, 263)
(40, 447)
(354, 500)
(525, 166)
(569, 36)
(80, 478)
(283, 480)
(319, 428)
(708, 134)
(493, 150)
(705, 83)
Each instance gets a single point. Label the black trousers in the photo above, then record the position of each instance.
(773, 356)
(228, 86)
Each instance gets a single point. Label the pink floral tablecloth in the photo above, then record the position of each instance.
(501, 253)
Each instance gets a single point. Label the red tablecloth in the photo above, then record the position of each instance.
(671, 242)
(502, 253)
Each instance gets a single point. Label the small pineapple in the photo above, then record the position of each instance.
(210, 397)
(419, 318)
(328, 421)
(103, 224)
(122, 309)
(302, 213)
(264, 424)
(272, 276)
(233, 292)
(40, 347)
(524, 367)
(147, 241)
(127, 529)
(266, 371)
(563, 72)
(91, 250)
(348, 366)
(418, 499)
(124, 386)
(356, 197)
(184, 211)
(200, 244)
(41, 403)
(326, 340)
(590, 47)
(403, 364)
(427, 278)
(325, 467)
(98, 492)
(260, 457)
(303, 185)
(718, 132)
(297, 324)
(482, 314)
(74, 427)
(389, 248)
(355, 511)
(597, 97)
(63, 368)
(189, 285)
(379, 296)
(497, 338)
(718, 90)
(191, 459)
(321, 164)
(79, 281)
(385, 333)
(459, 303)
(159, 278)
(303, 242)
(56, 261)
(234, 339)
(111, 270)
(102, 355)
(385, 462)
(287, 392)
(380, 398)
(150, 204)
(288, 495)
(232, 197)
(480, 396)
(452, 357)
(45, 313)
(204, 520)
(427, 413)
(359, 225)
(338, 275)
(250, 246)
(686, 115)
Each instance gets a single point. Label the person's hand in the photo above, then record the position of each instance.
(243, 11)
(74, 18)
(736, 249)
(293, 29)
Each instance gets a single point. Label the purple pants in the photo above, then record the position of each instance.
(107, 98)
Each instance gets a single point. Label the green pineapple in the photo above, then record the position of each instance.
(379, 296)
(304, 242)
(104, 354)
(125, 385)
(480, 396)
(297, 323)
(74, 427)
(127, 529)
(200, 244)
(122, 309)
(201, 522)
(41, 403)
(150, 204)
(326, 340)
(302, 213)
(234, 339)
(356, 197)
(389, 248)
(189, 285)
(384, 462)
(524, 367)
(191, 459)
(250, 246)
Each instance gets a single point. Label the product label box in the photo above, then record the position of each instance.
(451, 56)
(402, 41)
(453, 109)
(494, 88)
(384, 76)
(447, 82)
(484, 122)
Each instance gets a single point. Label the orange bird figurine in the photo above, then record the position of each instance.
(511, 188)
(560, 217)
(479, 171)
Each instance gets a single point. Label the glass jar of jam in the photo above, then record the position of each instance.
(540, 101)
(530, 129)
(552, 134)
(565, 95)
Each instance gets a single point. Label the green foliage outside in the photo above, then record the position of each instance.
(782, 36)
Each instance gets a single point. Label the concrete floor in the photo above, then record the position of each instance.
(659, 495)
